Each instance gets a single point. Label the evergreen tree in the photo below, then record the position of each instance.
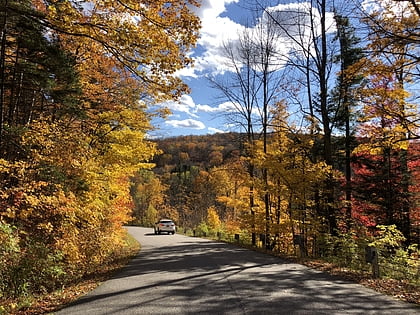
(37, 75)
(343, 99)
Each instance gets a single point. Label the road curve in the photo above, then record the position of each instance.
(175, 274)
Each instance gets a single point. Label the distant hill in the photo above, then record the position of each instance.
(202, 150)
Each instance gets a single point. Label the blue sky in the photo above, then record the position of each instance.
(201, 111)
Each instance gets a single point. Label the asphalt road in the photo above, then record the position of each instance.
(175, 274)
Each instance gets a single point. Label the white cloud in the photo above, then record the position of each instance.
(293, 30)
(223, 107)
(391, 9)
(186, 123)
(217, 30)
(215, 7)
(206, 109)
(299, 19)
(185, 104)
(215, 130)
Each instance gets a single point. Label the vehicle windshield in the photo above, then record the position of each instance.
(165, 221)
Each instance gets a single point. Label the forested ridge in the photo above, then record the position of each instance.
(197, 178)
(326, 162)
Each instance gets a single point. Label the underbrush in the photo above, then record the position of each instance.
(394, 260)
(51, 300)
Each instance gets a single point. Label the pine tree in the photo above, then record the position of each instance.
(343, 99)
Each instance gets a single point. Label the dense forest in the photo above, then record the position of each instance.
(199, 180)
(326, 161)
(76, 84)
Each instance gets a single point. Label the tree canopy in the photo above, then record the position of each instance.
(76, 82)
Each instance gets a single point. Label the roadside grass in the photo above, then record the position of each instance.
(54, 301)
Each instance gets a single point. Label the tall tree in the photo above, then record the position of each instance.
(307, 27)
(150, 37)
(391, 120)
(77, 127)
(252, 88)
(344, 98)
(267, 57)
(37, 75)
(241, 89)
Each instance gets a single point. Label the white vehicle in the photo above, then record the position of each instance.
(165, 225)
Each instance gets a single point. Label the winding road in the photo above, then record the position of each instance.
(175, 274)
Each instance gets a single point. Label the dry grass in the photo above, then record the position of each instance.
(400, 289)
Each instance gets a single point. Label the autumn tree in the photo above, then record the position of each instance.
(406, 33)
(308, 31)
(76, 81)
(252, 86)
(241, 89)
(213, 219)
(37, 75)
(231, 182)
(390, 120)
(294, 181)
(344, 97)
(150, 38)
(149, 197)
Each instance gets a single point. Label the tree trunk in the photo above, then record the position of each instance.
(3, 71)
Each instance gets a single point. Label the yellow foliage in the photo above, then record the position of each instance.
(213, 219)
(387, 116)
(151, 38)
(232, 227)
(67, 185)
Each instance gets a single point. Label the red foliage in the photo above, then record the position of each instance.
(381, 192)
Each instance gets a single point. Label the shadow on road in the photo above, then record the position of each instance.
(213, 276)
(151, 234)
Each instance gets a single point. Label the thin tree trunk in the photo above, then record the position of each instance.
(3, 71)
(13, 101)
(326, 119)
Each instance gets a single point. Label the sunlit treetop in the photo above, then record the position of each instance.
(151, 38)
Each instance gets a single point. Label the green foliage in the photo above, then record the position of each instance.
(9, 256)
(403, 264)
(388, 240)
(151, 216)
(27, 268)
(211, 226)
(395, 261)
(41, 268)
(202, 229)
(345, 249)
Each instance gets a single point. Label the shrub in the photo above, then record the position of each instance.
(26, 268)
(202, 229)
(9, 256)
(394, 260)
